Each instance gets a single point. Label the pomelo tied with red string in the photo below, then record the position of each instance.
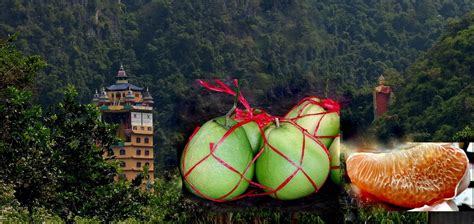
(254, 136)
(293, 164)
(320, 117)
(217, 174)
(252, 129)
(336, 173)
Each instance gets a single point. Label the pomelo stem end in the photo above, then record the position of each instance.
(236, 100)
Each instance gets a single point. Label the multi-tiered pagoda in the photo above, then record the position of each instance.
(131, 108)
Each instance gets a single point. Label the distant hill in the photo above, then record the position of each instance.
(438, 98)
(282, 50)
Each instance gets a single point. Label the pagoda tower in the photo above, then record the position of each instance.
(130, 107)
(382, 97)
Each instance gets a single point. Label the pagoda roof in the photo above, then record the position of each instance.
(123, 86)
(121, 73)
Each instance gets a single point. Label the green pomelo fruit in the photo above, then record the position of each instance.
(211, 177)
(294, 112)
(254, 136)
(272, 169)
(335, 155)
(253, 132)
(329, 123)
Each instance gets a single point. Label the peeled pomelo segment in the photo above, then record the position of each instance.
(465, 181)
(422, 175)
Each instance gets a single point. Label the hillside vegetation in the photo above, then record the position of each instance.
(437, 100)
(282, 50)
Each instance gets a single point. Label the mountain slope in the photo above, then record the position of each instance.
(282, 50)
(438, 99)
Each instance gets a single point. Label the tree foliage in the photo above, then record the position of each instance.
(24, 140)
(281, 50)
(79, 141)
(55, 160)
(15, 69)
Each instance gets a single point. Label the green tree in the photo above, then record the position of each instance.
(79, 141)
(15, 68)
(24, 141)
(24, 149)
(56, 160)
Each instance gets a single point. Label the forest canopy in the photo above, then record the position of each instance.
(437, 100)
(281, 50)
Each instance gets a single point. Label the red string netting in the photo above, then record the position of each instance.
(329, 105)
(262, 119)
